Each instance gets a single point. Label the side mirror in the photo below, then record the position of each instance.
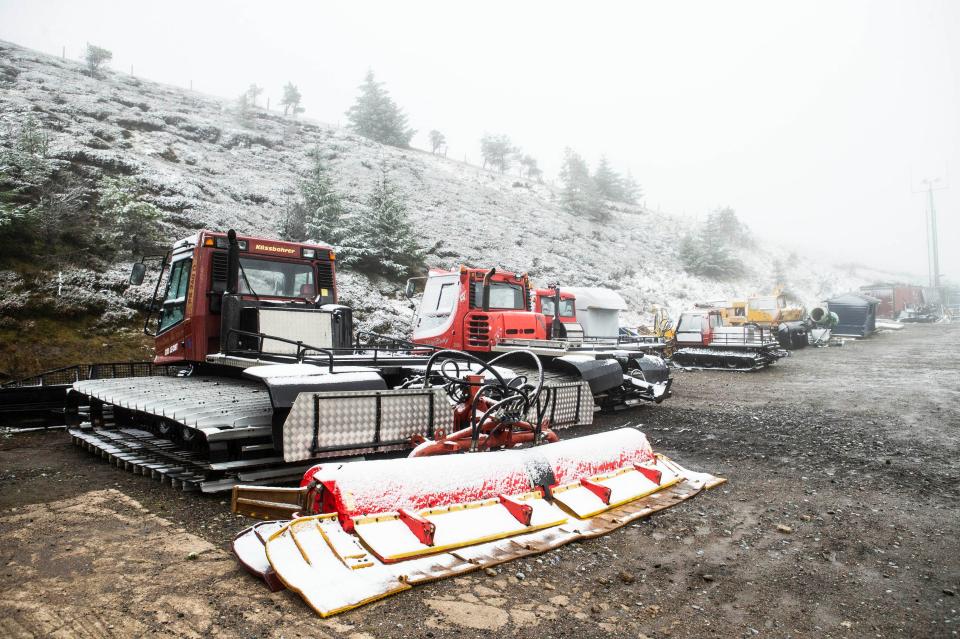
(410, 289)
(137, 273)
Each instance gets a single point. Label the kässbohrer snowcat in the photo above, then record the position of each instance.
(703, 341)
(360, 530)
(265, 374)
(488, 312)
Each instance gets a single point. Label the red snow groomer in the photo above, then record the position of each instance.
(703, 341)
(559, 309)
(358, 531)
(488, 312)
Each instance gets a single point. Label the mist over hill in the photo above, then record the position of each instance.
(203, 166)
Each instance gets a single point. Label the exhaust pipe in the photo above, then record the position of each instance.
(233, 263)
(485, 292)
(555, 326)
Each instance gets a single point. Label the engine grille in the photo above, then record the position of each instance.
(478, 331)
(219, 267)
(324, 275)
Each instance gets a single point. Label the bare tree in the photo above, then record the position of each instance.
(496, 151)
(291, 99)
(437, 140)
(528, 165)
(252, 92)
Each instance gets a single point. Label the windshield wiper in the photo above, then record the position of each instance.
(247, 282)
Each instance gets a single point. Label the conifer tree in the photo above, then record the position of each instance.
(726, 224)
(318, 212)
(243, 107)
(292, 225)
(580, 194)
(631, 190)
(712, 250)
(381, 239)
(323, 207)
(133, 223)
(608, 182)
(375, 115)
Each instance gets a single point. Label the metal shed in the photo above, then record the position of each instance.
(894, 298)
(857, 314)
(598, 310)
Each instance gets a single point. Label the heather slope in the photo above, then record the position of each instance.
(205, 167)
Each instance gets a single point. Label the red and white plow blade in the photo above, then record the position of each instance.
(389, 524)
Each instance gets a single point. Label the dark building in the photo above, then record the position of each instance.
(857, 314)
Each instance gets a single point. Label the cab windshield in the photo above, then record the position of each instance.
(764, 303)
(690, 324)
(276, 279)
(566, 307)
(502, 296)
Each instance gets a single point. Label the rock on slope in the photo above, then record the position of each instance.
(204, 168)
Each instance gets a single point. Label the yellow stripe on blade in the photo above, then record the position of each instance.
(626, 485)
(456, 527)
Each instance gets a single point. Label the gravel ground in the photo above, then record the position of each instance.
(839, 520)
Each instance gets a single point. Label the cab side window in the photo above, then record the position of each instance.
(175, 299)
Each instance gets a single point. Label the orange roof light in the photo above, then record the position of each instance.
(208, 241)
(333, 256)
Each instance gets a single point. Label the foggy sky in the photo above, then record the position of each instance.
(814, 120)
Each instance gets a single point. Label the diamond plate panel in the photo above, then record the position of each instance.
(565, 414)
(349, 419)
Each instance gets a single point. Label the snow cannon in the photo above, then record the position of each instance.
(355, 532)
(823, 318)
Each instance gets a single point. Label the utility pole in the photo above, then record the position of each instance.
(933, 238)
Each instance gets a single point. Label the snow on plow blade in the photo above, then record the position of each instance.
(387, 525)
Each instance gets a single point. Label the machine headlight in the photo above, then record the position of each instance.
(308, 253)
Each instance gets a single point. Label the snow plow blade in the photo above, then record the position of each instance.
(384, 526)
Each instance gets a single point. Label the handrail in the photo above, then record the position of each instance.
(302, 348)
(79, 372)
(401, 344)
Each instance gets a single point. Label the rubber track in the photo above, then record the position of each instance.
(744, 364)
(143, 453)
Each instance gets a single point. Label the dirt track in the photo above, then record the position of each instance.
(839, 520)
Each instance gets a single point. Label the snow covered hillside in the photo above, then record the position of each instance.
(204, 168)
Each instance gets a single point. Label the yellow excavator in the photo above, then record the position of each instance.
(665, 328)
(767, 311)
(772, 312)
